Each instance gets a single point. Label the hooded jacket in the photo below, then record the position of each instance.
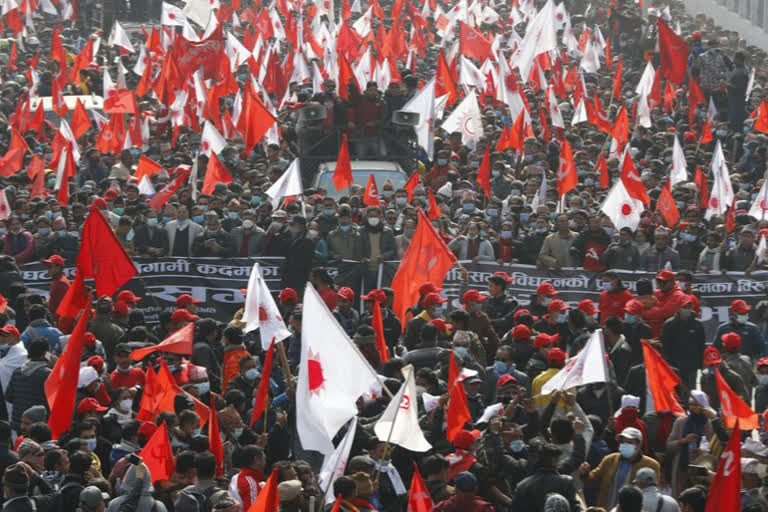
(137, 492)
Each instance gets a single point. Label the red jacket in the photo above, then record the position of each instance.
(612, 303)
(59, 287)
(248, 484)
(463, 503)
(134, 377)
(668, 303)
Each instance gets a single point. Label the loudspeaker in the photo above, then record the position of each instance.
(312, 113)
(402, 118)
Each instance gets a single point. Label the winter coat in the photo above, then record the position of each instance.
(138, 492)
(26, 389)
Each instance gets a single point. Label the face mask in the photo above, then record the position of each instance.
(125, 405)
(687, 237)
(61, 232)
(118, 211)
(472, 237)
(492, 212)
(496, 174)
(608, 230)
(51, 183)
(166, 219)
(474, 164)
(247, 225)
(524, 217)
(475, 308)
(91, 443)
(630, 319)
(256, 200)
(198, 219)
(541, 231)
(442, 161)
(546, 302)
(233, 215)
(468, 207)
(562, 318)
(252, 374)
(345, 229)
(172, 368)
(461, 351)
(588, 182)
(44, 231)
(423, 199)
(401, 201)
(277, 226)
(517, 446)
(721, 133)
(313, 233)
(374, 221)
(627, 450)
(506, 235)
(197, 432)
(238, 432)
(152, 222)
(330, 212)
(515, 192)
(203, 387)
(741, 319)
(500, 367)
(763, 378)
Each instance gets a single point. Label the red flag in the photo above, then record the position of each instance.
(666, 205)
(102, 256)
(179, 342)
(484, 172)
(631, 179)
(151, 396)
(608, 56)
(75, 300)
(80, 123)
(146, 167)
(543, 124)
(266, 500)
(761, 124)
(725, 492)
(157, 455)
(733, 406)
(433, 207)
(457, 413)
(673, 53)
(61, 384)
(215, 173)
(453, 370)
(378, 326)
(345, 77)
(661, 381)
(701, 181)
(255, 120)
(13, 160)
(14, 55)
(730, 219)
(214, 438)
(473, 44)
(654, 98)
(427, 259)
(419, 498)
(36, 123)
(567, 178)
(3, 303)
(620, 130)
(602, 168)
(164, 194)
(342, 174)
(617, 79)
(695, 97)
(35, 171)
(706, 133)
(57, 50)
(669, 97)
(260, 406)
(371, 195)
(444, 83)
(411, 185)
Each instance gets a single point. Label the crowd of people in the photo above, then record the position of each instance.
(603, 446)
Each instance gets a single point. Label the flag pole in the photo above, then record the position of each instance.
(389, 436)
(266, 409)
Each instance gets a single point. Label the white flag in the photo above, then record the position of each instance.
(762, 245)
(5, 207)
(289, 184)
(145, 186)
(423, 103)
(172, 16)
(721, 197)
(198, 11)
(679, 171)
(645, 84)
(540, 37)
(623, 210)
(119, 37)
(332, 376)
(211, 140)
(335, 463)
(260, 311)
(759, 208)
(586, 367)
(467, 119)
(399, 424)
(750, 84)
(580, 115)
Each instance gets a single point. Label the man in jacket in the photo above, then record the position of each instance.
(752, 342)
(621, 254)
(59, 282)
(739, 363)
(683, 343)
(713, 359)
(182, 232)
(590, 245)
(344, 242)
(377, 244)
(617, 347)
(479, 323)
(298, 261)
(214, 242)
(657, 256)
(249, 239)
(556, 253)
(466, 499)
(26, 387)
(499, 307)
(618, 469)
(531, 493)
(669, 299)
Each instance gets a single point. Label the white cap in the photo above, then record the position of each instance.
(627, 401)
(701, 398)
(87, 376)
(632, 433)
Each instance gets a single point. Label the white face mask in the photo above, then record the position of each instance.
(247, 224)
(742, 319)
(125, 405)
(312, 233)
(374, 221)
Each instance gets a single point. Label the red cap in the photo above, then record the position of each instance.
(432, 298)
(99, 203)
(740, 307)
(505, 379)
(243, 292)
(520, 312)
(506, 276)
(110, 194)
(441, 325)
(472, 296)
(428, 288)
(731, 340)
(288, 294)
(665, 275)
(546, 288)
(146, 430)
(185, 300)
(556, 356)
(712, 356)
(633, 307)
(97, 362)
(346, 292)
(683, 225)
(128, 296)
(763, 361)
(182, 315)
(696, 36)
(375, 294)
(521, 332)
(588, 307)
(89, 338)
(10, 329)
(90, 404)
(54, 260)
(557, 305)
(542, 340)
(121, 308)
(464, 438)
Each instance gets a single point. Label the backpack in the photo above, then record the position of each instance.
(203, 499)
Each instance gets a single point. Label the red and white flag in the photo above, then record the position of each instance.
(621, 208)
(587, 367)
(721, 197)
(5, 207)
(725, 491)
(260, 311)
(119, 37)
(399, 423)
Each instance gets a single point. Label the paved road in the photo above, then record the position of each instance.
(730, 20)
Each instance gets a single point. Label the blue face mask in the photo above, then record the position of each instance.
(562, 318)
(492, 212)
(506, 235)
(441, 161)
(152, 222)
(423, 199)
(203, 387)
(627, 450)
(118, 211)
(330, 212)
(629, 318)
(91, 444)
(468, 207)
(252, 374)
(256, 200)
(198, 219)
(61, 232)
(44, 231)
(500, 367)
(51, 182)
(687, 237)
(401, 200)
(238, 432)
(197, 432)
(524, 216)
(233, 215)
(517, 446)
(461, 351)
(345, 229)
(721, 133)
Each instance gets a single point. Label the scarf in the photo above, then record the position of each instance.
(694, 424)
(628, 418)
(665, 427)
(394, 476)
(505, 248)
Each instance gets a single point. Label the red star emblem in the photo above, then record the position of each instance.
(314, 373)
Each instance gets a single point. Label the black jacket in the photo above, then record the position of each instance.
(221, 237)
(390, 322)
(683, 343)
(298, 263)
(500, 311)
(532, 492)
(26, 388)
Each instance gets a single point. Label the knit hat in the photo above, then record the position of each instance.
(16, 478)
(289, 490)
(36, 413)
